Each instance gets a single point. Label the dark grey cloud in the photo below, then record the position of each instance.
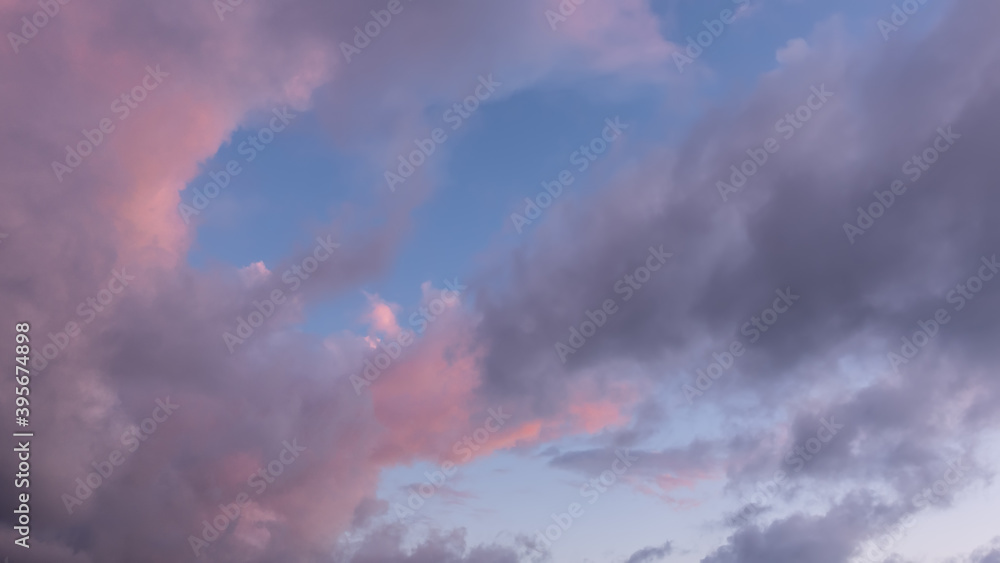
(824, 539)
(650, 554)
(785, 230)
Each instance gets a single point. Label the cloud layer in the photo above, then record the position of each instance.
(781, 232)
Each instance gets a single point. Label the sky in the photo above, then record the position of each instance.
(415, 281)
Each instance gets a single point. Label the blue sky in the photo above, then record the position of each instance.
(499, 156)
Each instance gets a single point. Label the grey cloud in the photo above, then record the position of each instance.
(650, 554)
